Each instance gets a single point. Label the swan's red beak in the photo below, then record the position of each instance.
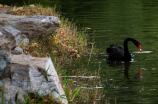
(139, 47)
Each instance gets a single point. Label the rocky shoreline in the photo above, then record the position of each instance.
(22, 73)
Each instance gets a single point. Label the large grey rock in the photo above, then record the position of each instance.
(35, 75)
(33, 26)
(13, 27)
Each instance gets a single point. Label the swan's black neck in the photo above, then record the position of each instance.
(127, 54)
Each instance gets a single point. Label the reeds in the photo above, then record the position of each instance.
(83, 87)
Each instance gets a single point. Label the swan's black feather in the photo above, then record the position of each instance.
(115, 52)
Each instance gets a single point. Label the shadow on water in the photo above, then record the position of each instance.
(126, 64)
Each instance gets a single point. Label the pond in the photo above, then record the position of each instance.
(110, 22)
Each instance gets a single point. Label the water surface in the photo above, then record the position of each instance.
(111, 22)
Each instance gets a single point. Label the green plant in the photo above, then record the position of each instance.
(76, 92)
(3, 85)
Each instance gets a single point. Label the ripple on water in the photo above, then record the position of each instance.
(142, 52)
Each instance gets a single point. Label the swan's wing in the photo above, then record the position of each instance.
(115, 49)
(115, 52)
(120, 47)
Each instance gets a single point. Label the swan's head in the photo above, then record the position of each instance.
(139, 47)
(137, 44)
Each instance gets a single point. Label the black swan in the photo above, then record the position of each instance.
(122, 53)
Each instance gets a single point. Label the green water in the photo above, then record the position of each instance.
(111, 21)
(114, 21)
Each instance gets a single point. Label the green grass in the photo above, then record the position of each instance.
(3, 93)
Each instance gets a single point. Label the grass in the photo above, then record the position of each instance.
(83, 89)
(3, 93)
(67, 44)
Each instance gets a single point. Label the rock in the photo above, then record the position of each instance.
(36, 75)
(4, 62)
(11, 93)
(13, 28)
(5, 56)
(9, 37)
(22, 40)
(5, 44)
(17, 50)
(32, 26)
(9, 31)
